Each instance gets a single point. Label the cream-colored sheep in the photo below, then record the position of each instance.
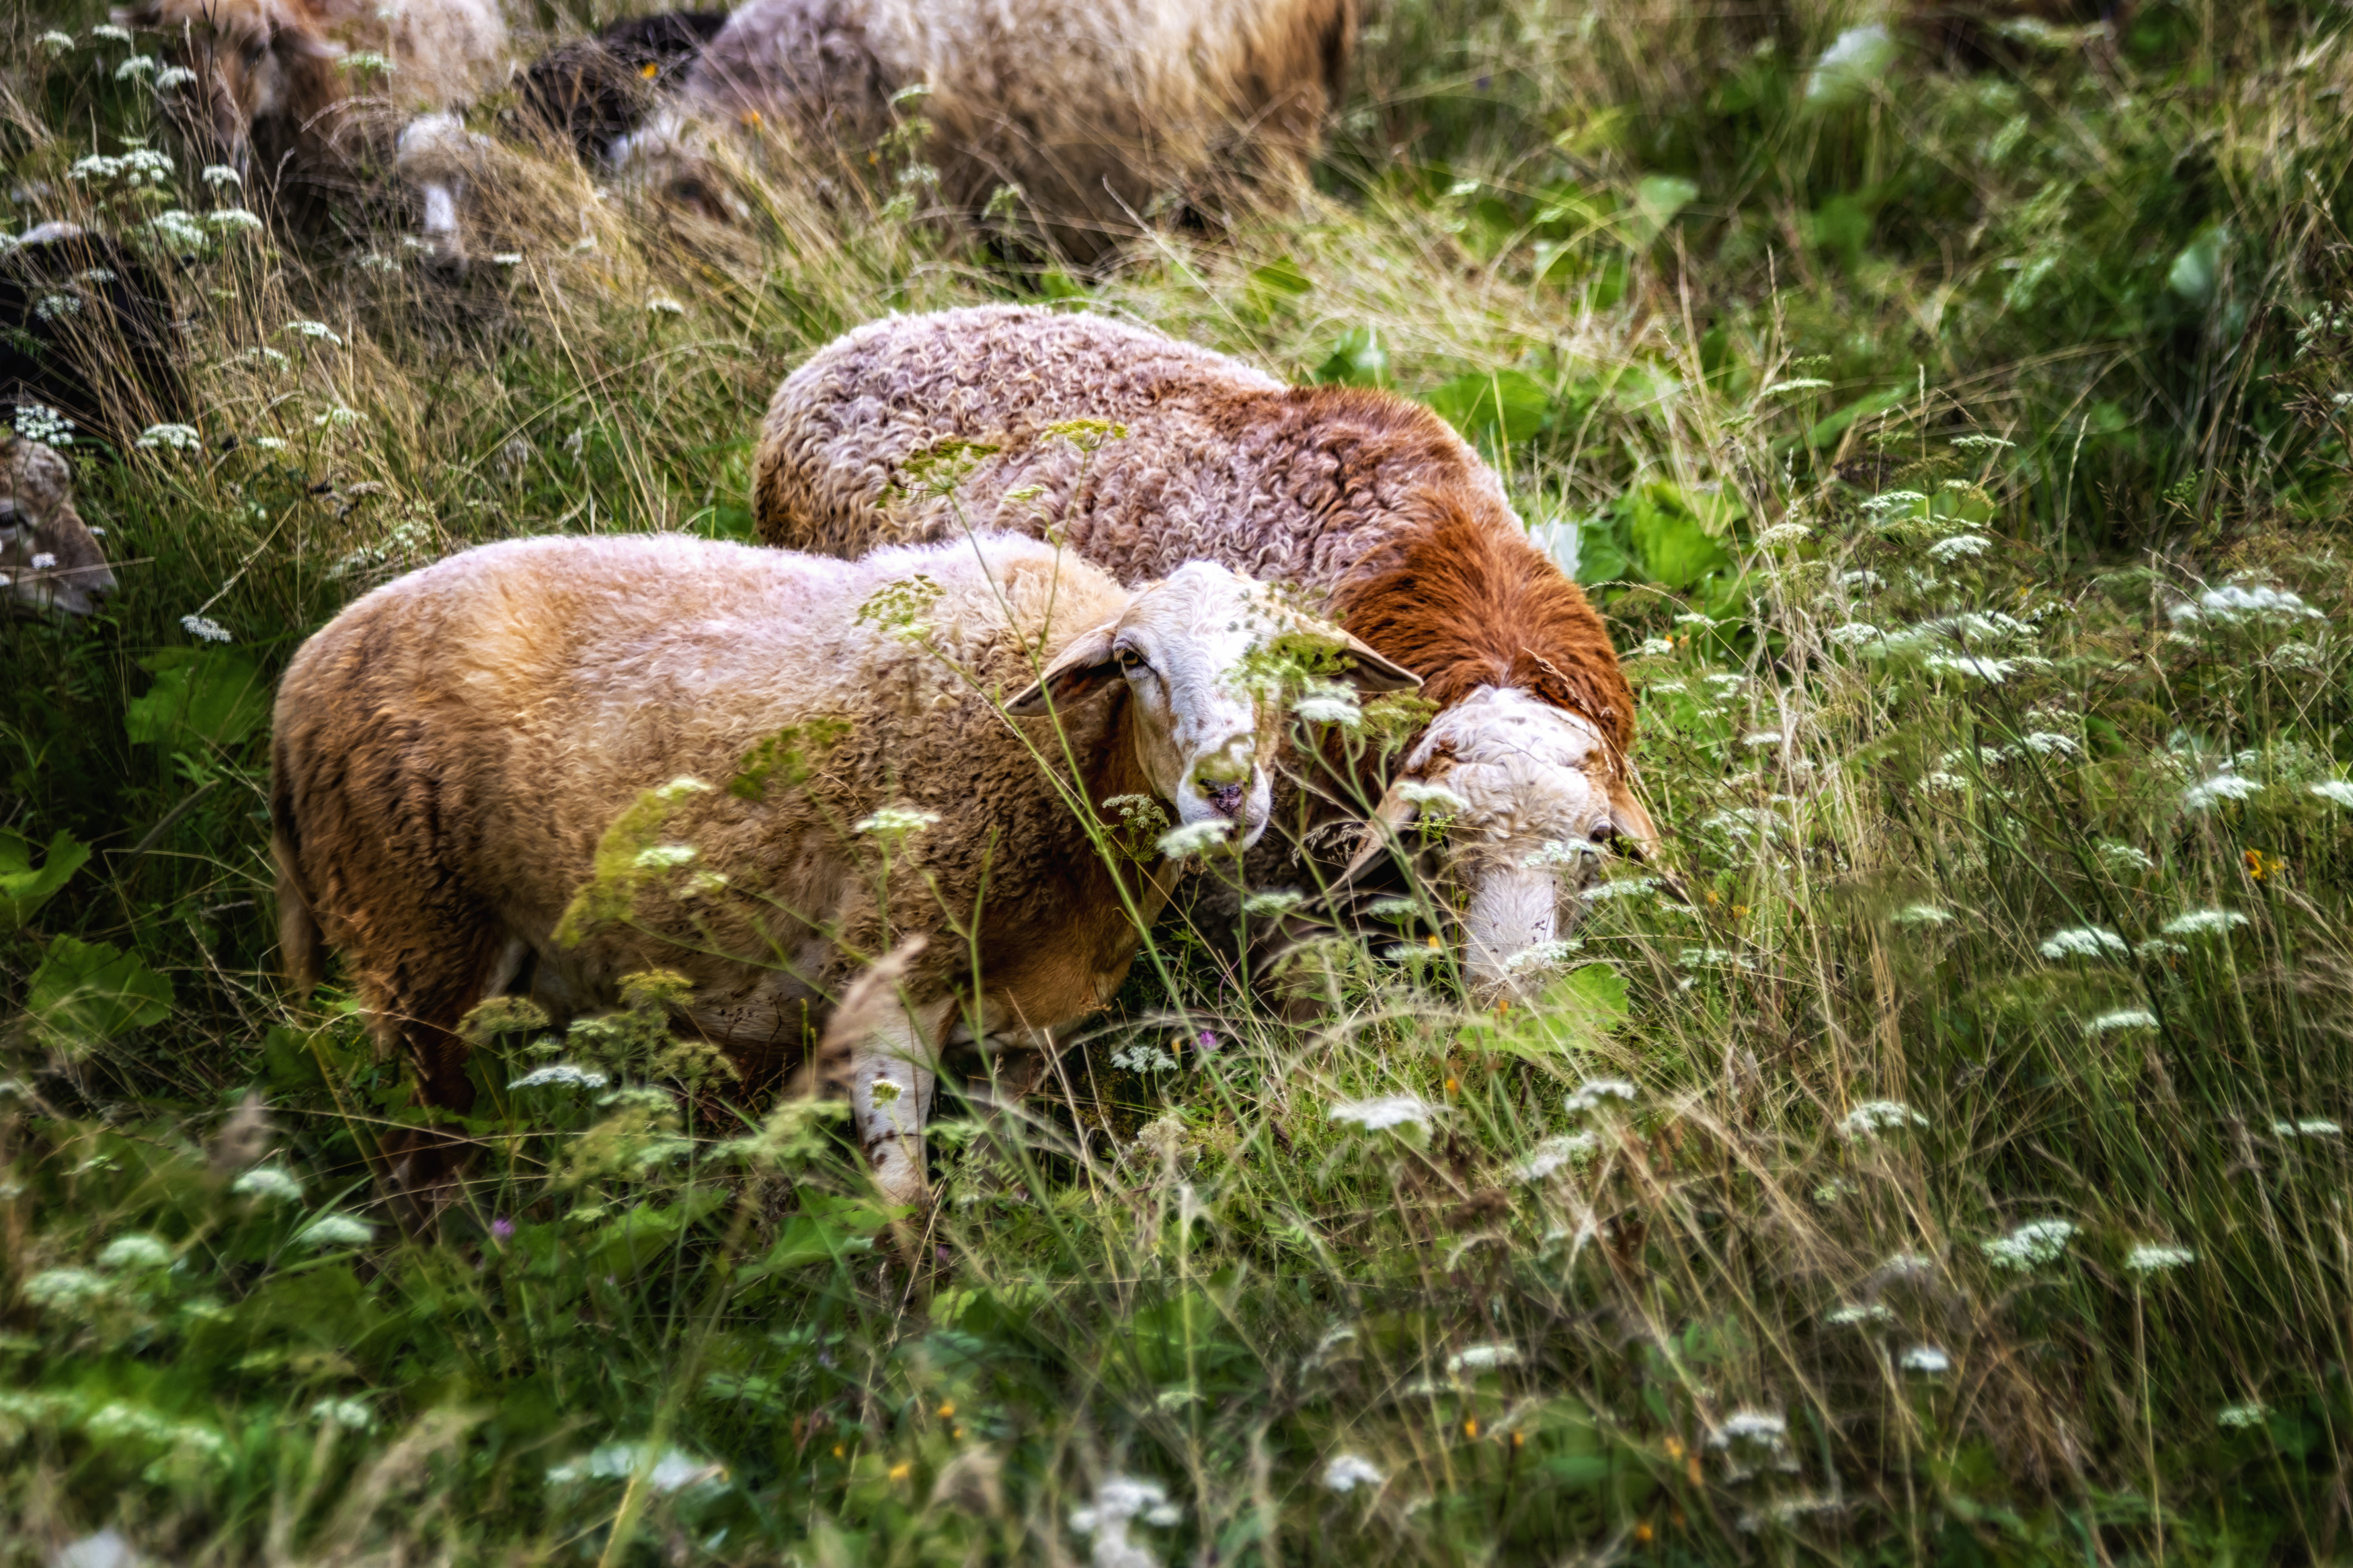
(1090, 112)
(718, 742)
(1365, 498)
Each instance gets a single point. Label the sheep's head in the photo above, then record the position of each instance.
(1530, 796)
(250, 58)
(49, 558)
(1191, 652)
(440, 163)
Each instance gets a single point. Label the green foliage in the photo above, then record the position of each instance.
(1955, 435)
(86, 994)
(25, 887)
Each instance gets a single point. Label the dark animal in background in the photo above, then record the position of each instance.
(86, 331)
(597, 90)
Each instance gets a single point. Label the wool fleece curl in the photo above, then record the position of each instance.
(1086, 113)
(1364, 497)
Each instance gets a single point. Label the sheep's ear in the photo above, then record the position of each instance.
(1638, 838)
(1078, 672)
(1369, 671)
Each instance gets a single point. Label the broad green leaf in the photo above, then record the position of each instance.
(1507, 402)
(1673, 545)
(1601, 556)
(202, 698)
(1278, 282)
(1358, 359)
(86, 994)
(826, 1230)
(1657, 200)
(24, 888)
(2199, 267)
(1573, 1015)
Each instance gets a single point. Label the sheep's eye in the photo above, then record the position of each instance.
(1130, 661)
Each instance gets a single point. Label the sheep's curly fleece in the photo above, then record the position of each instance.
(1092, 108)
(1362, 496)
(450, 750)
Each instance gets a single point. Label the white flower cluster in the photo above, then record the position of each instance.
(1946, 550)
(1145, 1058)
(2222, 786)
(2232, 603)
(665, 857)
(139, 166)
(2310, 1127)
(178, 437)
(2156, 1258)
(1976, 667)
(177, 229)
(1625, 888)
(1482, 1358)
(1874, 1117)
(1118, 1501)
(561, 1075)
(1346, 1472)
(1193, 839)
(1280, 901)
(1853, 634)
(1926, 1359)
(317, 329)
(1749, 1426)
(135, 66)
(2236, 1416)
(2083, 942)
(174, 77)
(268, 1183)
(2030, 1246)
(1923, 915)
(336, 1230)
(40, 422)
(204, 630)
(1329, 704)
(1550, 1155)
(56, 42)
(2339, 791)
(1595, 1092)
(57, 307)
(1543, 957)
(1870, 1314)
(238, 218)
(128, 1253)
(2203, 923)
(2126, 1018)
(1385, 1112)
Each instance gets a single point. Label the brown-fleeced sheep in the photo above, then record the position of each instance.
(578, 724)
(283, 90)
(49, 559)
(1090, 111)
(1364, 497)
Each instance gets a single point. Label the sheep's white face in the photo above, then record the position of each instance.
(436, 159)
(49, 559)
(1206, 716)
(1536, 801)
(1201, 734)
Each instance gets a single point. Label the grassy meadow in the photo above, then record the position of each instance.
(1950, 419)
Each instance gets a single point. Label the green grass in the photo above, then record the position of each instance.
(2085, 306)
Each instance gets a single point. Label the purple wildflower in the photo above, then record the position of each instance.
(502, 1230)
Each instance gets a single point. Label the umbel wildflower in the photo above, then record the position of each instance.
(1594, 1092)
(1392, 1110)
(2310, 1127)
(1925, 1359)
(1193, 839)
(1482, 1358)
(270, 1183)
(1550, 1155)
(2156, 1258)
(2203, 923)
(2222, 786)
(204, 630)
(1346, 1472)
(1118, 1501)
(125, 1253)
(1876, 1116)
(2125, 1018)
(561, 1074)
(2030, 1246)
(2083, 942)
(336, 1230)
(1869, 1314)
(2239, 1417)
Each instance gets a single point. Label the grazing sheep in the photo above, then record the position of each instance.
(86, 331)
(49, 559)
(283, 87)
(461, 754)
(597, 91)
(1363, 495)
(1092, 110)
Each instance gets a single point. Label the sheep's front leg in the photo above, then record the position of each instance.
(890, 1083)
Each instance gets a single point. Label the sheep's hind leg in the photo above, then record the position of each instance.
(891, 1085)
